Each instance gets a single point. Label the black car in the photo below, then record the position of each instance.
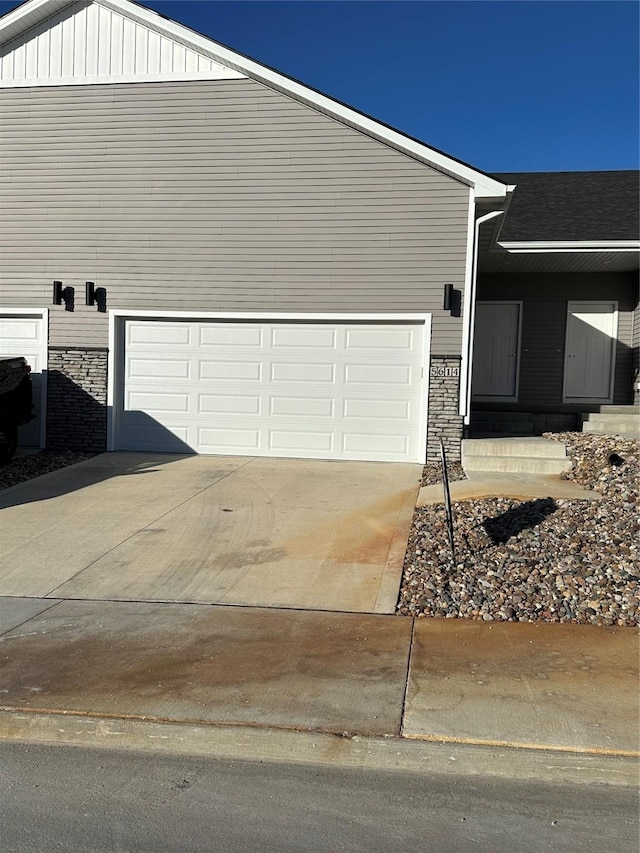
(16, 403)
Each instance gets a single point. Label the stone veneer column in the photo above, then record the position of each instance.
(77, 399)
(444, 398)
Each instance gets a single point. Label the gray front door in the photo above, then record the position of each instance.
(589, 351)
(495, 351)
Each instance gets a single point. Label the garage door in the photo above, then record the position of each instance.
(26, 335)
(312, 390)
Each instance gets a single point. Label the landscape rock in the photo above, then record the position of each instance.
(539, 560)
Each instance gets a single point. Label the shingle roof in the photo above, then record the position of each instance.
(572, 206)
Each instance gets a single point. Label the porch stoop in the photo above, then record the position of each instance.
(514, 455)
(496, 424)
(613, 420)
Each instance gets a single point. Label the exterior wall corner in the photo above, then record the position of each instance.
(444, 421)
(77, 400)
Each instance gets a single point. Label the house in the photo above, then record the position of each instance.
(557, 330)
(202, 254)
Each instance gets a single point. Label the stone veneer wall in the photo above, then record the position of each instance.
(444, 398)
(77, 399)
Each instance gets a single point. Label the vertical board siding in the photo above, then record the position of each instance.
(544, 321)
(87, 40)
(217, 196)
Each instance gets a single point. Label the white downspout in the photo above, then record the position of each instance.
(469, 313)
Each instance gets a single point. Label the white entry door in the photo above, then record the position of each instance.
(326, 390)
(496, 351)
(589, 355)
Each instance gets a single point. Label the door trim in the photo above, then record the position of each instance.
(490, 398)
(612, 373)
(116, 356)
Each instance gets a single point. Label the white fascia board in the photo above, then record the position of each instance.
(484, 186)
(548, 246)
(26, 16)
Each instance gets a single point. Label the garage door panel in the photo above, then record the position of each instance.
(161, 335)
(374, 409)
(397, 445)
(317, 390)
(140, 401)
(231, 371)
(231, 335)
(229, 404)
(145, 433)
(229, 440)
(302, 406)
(396, 340)
(304, 338)
(149, 368)
(297, 440)
(378, 374)
(305, 373)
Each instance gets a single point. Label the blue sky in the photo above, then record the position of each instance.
(505, 86)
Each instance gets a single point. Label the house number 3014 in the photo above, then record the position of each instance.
(439, 371)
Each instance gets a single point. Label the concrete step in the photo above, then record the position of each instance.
(515, 455)
(613, 423)
(515, 465)
(541, 448)
(619, 410)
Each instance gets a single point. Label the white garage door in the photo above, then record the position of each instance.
(26, 335)
(312, 390)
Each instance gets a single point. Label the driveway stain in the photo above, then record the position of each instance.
(207, 663)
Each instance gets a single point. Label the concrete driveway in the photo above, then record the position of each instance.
(217, 530)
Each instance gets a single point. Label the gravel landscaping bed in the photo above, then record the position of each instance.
(538, 560)
(36, 464)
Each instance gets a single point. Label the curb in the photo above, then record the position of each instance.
(256, 744)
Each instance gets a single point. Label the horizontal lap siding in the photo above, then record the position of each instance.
(544, 320)
(217, 196)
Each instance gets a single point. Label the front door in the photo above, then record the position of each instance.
(495, 351)
(590, 351)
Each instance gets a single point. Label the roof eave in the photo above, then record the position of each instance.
(551, 246)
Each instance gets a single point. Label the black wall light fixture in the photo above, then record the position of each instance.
(448, 296)
(95, 295)
(451, 300)
(64, 295)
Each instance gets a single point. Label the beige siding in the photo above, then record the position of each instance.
(217, 196)
(544, 319)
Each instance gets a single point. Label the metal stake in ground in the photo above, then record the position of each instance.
(447, 501)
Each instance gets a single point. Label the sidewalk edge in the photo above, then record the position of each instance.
(395, 754)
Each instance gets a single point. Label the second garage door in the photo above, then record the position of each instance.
(296, 389)
(26, 335)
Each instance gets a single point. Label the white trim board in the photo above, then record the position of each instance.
(34, 12)
(468, 318)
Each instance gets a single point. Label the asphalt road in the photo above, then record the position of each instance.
(73, 799)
